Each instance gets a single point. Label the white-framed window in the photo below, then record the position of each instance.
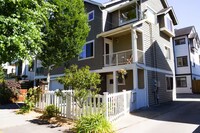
(169, 83)
(182, 61)
(128, 13)
(167, 53)
(91, 16)
(169, 24)
(181, 82)
(87, 51)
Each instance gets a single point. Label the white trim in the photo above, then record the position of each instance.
(93, 2)
(91, 12)
(119, 6)
(51, 76)
(93, 51)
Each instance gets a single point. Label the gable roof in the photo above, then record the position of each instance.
(183, 31)
(171, 12)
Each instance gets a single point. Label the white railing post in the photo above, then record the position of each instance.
(117, 60)
(124, 93)
(105, 102)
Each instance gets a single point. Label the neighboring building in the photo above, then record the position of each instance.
(9, 69)
(135, 35)
(187, 58)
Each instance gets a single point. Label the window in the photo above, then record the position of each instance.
(167, 53)
(182, 61)
(181, 82)
(168, 24)
(87, 51)
(128, 14)
(91, 16)
(180, 41)
(169, 83)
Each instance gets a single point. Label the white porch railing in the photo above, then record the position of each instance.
(122, 58)
(116, 104)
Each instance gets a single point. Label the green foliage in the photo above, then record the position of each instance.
(2, 74)
(31, 99)
(7, 95)
(51, 111)
(21, 23)
(82, 81)
(66, 32)
(95, 123)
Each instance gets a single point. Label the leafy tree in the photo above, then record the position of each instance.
(21, 23)
(66, 33)
(82, 81)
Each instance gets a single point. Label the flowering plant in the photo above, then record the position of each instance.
(122, 73)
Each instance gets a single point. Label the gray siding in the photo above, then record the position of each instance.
(128, 82)
(163, 94)
(122, 43)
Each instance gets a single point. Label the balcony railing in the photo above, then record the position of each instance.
(39, 71)
(122, 58)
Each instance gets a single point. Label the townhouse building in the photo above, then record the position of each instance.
(187, 59)
(128, 35)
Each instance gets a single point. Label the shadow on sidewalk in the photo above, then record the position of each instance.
(181, 112)
(11, 106)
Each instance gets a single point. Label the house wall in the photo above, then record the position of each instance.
(187, 89)
(163, 94)
(182, 50)
(128, 82)
(54, 85)
(122, 43)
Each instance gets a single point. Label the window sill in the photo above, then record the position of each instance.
(168, 32)
(86, 58)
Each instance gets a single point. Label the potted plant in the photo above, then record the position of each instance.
(122, 74)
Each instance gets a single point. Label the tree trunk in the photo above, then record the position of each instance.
(48, 78)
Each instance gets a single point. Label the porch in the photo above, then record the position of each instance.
(123, 45)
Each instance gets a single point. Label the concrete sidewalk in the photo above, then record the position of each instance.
(10, 122)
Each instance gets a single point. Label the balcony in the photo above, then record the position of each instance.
(122, 58)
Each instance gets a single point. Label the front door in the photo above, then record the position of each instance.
(109, 83)
(141, 91)
(108, 50)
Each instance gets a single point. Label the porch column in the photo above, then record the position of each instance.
(115, 83)
(34, 71)
(135, 77)
(134, 44)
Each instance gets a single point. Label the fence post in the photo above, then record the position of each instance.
(105, 101)
(68, 104)
(124, 93)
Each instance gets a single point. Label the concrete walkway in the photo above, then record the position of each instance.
(12, 123)
(172, 117)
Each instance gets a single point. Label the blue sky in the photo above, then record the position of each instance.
(187, 12)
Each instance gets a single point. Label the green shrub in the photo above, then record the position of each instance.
(7, 95)
(30, 101)
(51, 111)
(95, 123)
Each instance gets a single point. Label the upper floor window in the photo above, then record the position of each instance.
(168, 24)
(180, 41)
(167, 53)
(91, 16)
(182, 61)
(128, 14)
(87, 51)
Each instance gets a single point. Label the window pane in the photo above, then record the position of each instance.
(169, 24)
(180, 41)
(87, 51)
(181, 82)
(179, 61)
(128, 13)
(91, 16)
(185, 63)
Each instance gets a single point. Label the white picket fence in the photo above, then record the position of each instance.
(114, 105)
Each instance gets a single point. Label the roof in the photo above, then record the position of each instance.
(93, 2)
(171, 12)
(183, 31)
